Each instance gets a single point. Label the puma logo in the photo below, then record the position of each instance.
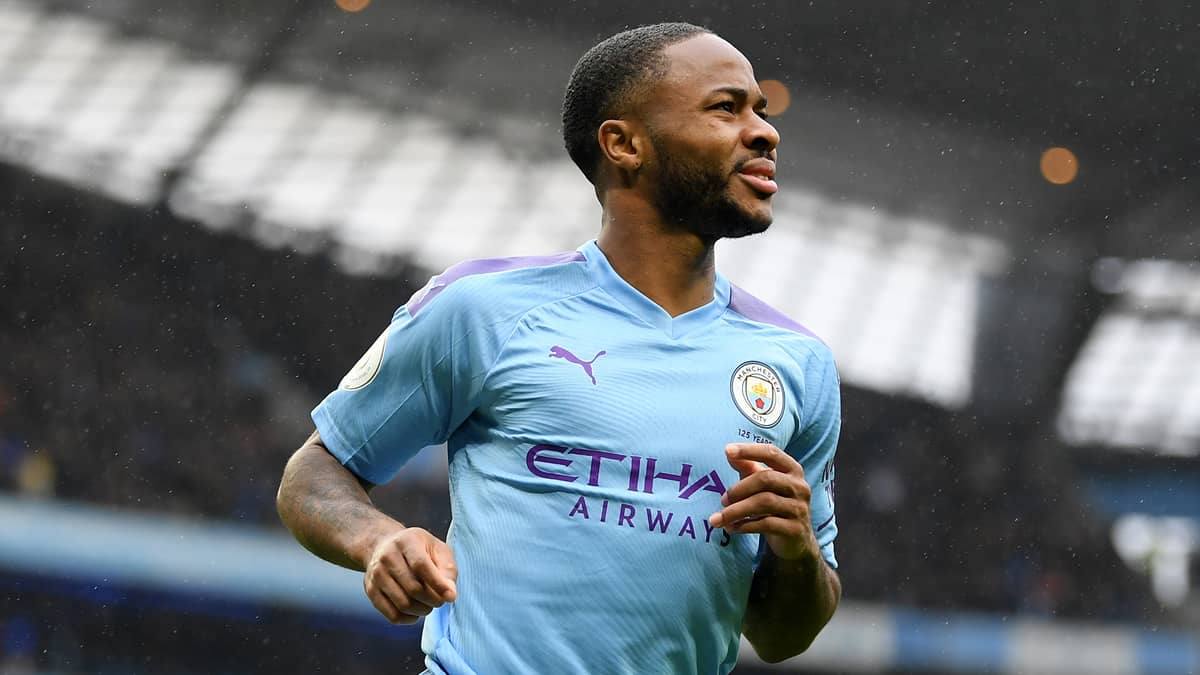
(557, 352)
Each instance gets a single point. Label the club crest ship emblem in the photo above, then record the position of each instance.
(758, 393)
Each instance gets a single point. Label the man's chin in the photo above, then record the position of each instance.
(738, 233)
(722, 219)
(755, 222)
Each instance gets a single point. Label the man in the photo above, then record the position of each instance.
(640, 452)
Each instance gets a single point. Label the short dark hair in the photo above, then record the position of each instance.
(606, 77)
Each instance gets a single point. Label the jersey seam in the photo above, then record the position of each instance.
(808, 340)
(397, 408)
(517, 324)
(822, 394)
(425, 378)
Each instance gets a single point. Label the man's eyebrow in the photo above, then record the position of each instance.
(739, 93)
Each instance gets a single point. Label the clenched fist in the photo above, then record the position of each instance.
(772, 498)
(409, 573)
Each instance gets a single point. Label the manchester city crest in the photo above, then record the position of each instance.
(758, 393)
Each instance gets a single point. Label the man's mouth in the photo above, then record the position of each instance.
(759, 174)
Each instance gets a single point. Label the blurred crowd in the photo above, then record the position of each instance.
(118, 388)
(939, 510)
(153, 364)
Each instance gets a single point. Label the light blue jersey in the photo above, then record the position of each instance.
(586, 429)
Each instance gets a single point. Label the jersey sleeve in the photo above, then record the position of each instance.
(815, 445)
(415, 385)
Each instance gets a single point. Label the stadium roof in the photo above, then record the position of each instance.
(1135, 385)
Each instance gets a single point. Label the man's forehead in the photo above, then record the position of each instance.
(706, 61)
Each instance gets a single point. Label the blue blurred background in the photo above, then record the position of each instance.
(208, 210)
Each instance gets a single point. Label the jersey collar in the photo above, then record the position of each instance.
(645, 308)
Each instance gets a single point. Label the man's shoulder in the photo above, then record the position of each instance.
(503, 283)
(756, 313)
(811, 360)
(762, 321)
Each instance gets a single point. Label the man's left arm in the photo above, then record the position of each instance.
(795, 588)
(795, 591)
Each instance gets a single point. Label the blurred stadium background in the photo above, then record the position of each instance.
(207, 210)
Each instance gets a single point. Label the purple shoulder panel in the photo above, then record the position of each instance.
(484, 266)
(756, 310)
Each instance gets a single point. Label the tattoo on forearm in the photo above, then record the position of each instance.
(327, 506)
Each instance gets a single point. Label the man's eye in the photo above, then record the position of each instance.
(727, 106)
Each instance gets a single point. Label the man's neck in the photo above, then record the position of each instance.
(675, 269)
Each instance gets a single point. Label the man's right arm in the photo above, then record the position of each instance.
(327, 507)
(329, 511)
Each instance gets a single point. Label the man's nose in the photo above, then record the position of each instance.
(761, 135)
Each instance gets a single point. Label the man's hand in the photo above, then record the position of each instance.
(409, 573)
(772, 500)
(794, 591)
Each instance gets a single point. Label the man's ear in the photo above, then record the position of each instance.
(622, 144)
